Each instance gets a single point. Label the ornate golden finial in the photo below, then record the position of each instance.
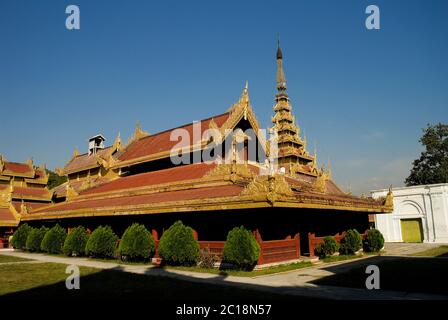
(349, 189)
(138, 132)
(23, 208)
(29, 162)
(76, 152)
(245, 95)
(2, 163)
(389, 201)
(320, 183)
(70, 192)
(117, 142)
(6, 196)
(329, 174)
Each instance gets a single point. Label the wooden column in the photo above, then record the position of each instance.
(311, 240)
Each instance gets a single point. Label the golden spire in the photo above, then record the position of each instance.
(117, 142)
(76, 152)
(281, 80)
(245, 95)
(292, 150)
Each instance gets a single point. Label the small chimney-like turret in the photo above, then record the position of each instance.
(96, 143)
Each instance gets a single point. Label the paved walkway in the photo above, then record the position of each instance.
(293, 282)
(402, 249)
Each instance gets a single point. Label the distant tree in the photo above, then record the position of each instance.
(432, 166)
(54, 179)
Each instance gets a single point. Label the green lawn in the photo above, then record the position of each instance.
(427, 275)
(47, 281)
(254, 273)
(441, 251)
(5, 259)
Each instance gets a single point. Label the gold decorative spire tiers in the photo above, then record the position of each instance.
(292, 154)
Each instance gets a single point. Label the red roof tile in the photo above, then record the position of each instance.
(5, 214)
(17, 167)
(24, 191)
(61, 190)
(84, 161)
(30, 205)
(179, 173)
(190, 194)
(161, 141)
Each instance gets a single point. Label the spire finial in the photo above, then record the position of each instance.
(281, 80)
(245, 95)
(279, 50)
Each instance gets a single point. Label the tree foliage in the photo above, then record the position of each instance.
(351, 242)
(75, 243)
(374, 241)
(432, 166)
(54, 179)
(327, 247)
(241, 248)
(34, 239)
(137, 243)
(20, 236)
(102, 243)
(53, 240)
(178, 245)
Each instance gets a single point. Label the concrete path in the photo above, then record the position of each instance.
(403, 249)
(293, 282)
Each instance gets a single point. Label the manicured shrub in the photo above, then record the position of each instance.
(241, 248)
(20, 236)
(53, 240)
(34, 239)
(374, 241)
(351, 242)
(102, 243)
(328, 247)
(75, 243)
(207, 259)
(178, 246)
(137, 243)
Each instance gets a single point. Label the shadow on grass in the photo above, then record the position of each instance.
(156, 284)
(408, 274)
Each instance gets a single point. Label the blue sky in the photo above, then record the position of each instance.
(361, 95)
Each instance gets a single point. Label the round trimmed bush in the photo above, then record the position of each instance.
(178, 246)
(20, 236)
(351, 242)
(137, 243)
(374, 241)
(328, 247)
(34, 239)
(241, 248)
(54, 240)
(102, 243)
(75, 243)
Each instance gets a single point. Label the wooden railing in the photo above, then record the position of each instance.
(314, 241)
(4, 243)
(270, 251)
(278, 250)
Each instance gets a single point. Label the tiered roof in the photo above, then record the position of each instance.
(22, 188)
(206, 186)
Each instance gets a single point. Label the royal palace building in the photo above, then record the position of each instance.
(269, 184)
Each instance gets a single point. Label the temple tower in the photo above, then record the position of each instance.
(292, 153)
